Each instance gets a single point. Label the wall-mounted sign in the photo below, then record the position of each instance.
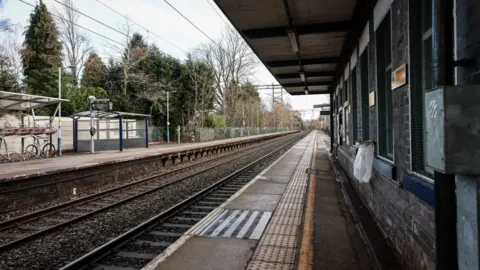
(371, 99)
(324, 112)
(399, 76)
(349, 108)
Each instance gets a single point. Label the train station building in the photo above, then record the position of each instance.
(378, 60)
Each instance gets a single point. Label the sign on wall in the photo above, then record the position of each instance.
(399, 76)
(371, 99)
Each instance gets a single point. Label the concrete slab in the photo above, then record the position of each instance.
(250, 201)
(207, 253)
(263, 187)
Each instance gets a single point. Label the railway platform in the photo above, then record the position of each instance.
(291, 216)
(48, 166)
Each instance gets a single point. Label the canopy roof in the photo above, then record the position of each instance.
(107, 114)
(23, 102)
(306, 44)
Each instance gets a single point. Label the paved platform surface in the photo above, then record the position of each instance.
(261, 226)
(76, 161)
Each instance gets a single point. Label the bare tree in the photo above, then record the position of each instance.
(232, 60)
(76, 43)
(130, 56)
(10, 47)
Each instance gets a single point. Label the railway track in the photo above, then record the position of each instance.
(139, 245)
(19, 230)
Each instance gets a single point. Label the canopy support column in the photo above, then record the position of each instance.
(120, 129)
(146, 132)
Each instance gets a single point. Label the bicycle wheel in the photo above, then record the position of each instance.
(31, 151)
(48, 150)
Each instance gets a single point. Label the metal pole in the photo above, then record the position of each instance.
(146, 132)
(120, 127)
(178, 134)
(273, 106)
(59, 143)
(92, 147)
(168, 120)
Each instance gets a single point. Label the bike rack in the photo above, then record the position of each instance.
(27, 103)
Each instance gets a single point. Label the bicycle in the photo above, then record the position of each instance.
(48, 149)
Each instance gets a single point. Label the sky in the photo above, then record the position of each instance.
(162, 21)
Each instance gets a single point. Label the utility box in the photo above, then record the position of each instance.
(452, 125)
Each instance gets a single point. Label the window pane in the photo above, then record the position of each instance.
(384, 94)
(427, 64)
(426, 15)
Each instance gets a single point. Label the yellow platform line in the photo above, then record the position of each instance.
(305, 261)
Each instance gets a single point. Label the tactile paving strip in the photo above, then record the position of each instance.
(259, 265)
(277, 246)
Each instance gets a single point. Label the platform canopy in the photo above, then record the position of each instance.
(108, 114)
(24, 102)
(305, 44)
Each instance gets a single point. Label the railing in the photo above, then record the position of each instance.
(189, 135)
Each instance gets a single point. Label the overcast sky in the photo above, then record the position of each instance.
(163, 21)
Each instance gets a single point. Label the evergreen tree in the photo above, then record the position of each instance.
(41, 52)
(95, 72)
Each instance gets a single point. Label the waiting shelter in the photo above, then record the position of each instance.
(11, 102)
(109, 130)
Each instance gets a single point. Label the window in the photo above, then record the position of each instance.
(421, 79)
(354, 105)
(346, 134)
(364, 87)
(384, 90)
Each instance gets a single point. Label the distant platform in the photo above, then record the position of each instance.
(40, 167)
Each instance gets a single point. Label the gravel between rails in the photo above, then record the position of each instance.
(56, 249)
(28, 210)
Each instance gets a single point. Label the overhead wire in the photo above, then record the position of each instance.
(144, 28)
(210, 4)
(82, 27)
(91, 18)
(201, 31)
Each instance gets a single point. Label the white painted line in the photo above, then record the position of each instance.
(225, 223)
(234, 226)
(213, 222)
(262, 224)
(197, 228)
(247, 225)
(167, 252)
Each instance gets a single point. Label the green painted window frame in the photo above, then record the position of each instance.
(384, 89)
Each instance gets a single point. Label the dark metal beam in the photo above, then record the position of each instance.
(308, 75)
(300, 30)
(309, 92)
(314, 61)
(307, 84)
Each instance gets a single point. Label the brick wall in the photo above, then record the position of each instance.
(468, 40)
(406, 221)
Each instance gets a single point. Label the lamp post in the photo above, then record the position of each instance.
(91, 99)
(59, 141)
(168, 115)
